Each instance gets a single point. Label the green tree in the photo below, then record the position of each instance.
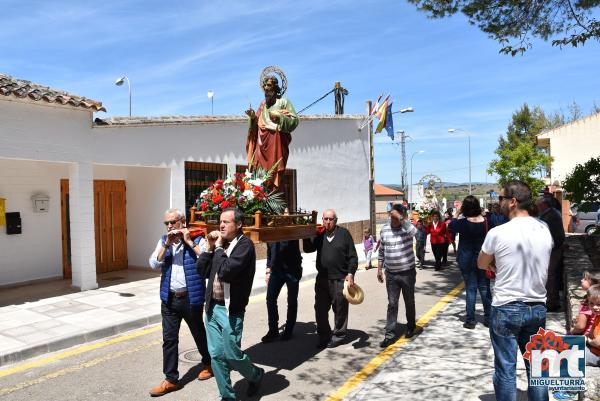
(583, 183)
(519, 158)
(515, 23)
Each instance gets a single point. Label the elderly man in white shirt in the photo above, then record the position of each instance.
(182, 294)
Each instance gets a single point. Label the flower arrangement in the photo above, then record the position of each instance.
(426, 207)
(248, 191)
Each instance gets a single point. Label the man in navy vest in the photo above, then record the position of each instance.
(182, 295)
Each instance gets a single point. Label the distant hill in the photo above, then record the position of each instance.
(457, 191)
(450, 184)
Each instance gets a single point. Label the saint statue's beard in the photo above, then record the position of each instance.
(271, 96)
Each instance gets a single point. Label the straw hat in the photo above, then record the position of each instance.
(354, 295)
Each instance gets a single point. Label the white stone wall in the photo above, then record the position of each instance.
(41, 143)
(328, 155)
(37, 252)
(573, 144)
(39, 131)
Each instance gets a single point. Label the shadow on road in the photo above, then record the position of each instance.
(288, 355)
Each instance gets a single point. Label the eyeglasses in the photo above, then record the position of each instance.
(329, 218)
(171, 222)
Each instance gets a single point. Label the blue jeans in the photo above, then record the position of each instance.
(224, 333)
(474, 279)
(512, 325)
(276, 281)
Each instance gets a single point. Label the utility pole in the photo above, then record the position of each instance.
(403, 137)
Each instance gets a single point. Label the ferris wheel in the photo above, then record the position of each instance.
(429, 185)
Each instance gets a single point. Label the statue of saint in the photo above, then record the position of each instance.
(269, 128)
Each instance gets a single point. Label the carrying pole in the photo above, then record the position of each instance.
(371, 172)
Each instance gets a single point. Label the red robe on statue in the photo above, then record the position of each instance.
(268, 142)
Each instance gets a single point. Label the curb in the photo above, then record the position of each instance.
(79, 338)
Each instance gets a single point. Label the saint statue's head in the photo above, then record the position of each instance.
(271, 88)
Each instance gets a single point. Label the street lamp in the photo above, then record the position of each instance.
(211, 96)
(411, 185)
(119, 82)
(406, 110)
(452, 130)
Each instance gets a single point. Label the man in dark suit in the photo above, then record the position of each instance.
(229, 263)
(284, 266)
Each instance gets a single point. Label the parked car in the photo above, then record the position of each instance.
(587, 221)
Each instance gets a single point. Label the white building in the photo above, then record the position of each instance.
(110, 181)
(571, 144)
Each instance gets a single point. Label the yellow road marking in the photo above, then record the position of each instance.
(387, 353)
(101, 344)
(76, 351)
(71, 369)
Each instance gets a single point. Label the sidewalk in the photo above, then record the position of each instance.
(51, 323)
(457, 363)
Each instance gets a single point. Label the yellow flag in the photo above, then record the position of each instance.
(382, 115)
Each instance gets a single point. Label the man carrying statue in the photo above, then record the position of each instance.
(269, 130)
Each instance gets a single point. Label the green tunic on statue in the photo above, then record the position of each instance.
(268, 142)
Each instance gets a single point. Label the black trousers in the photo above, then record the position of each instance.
(445, 253)
(438, 253)
(553, 281)
(396, 283)
(328, 294)
(172, 313)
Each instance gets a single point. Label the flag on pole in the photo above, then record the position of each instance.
(376, 105)
(389, 122)
(382, 108)
(382, 115)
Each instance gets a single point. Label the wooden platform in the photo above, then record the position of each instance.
(267, 228)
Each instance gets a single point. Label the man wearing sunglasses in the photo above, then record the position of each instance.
(337, 262)
(182, 295)
(519, 253)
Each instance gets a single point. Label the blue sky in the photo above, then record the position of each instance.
(173, 52)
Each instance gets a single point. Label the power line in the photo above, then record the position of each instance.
(317, 101)
(340, 95)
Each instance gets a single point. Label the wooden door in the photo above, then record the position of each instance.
(66, 227)
(110, 223)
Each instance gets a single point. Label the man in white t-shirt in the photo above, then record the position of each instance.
(519, 252)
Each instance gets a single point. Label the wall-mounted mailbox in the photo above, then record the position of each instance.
(41, 203)
(13, 223)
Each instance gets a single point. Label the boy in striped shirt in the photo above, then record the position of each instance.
(396, 256)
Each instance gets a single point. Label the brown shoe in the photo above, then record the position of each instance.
(163, 388)
(206, 373)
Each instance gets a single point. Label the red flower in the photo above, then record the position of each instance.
(224, 204)
(256, 189)
(204, 206)
(217, 198)
(219, 184)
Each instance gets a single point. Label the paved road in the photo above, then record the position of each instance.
(296, 370)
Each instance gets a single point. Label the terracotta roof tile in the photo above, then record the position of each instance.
(25, 89)
(381, 190)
